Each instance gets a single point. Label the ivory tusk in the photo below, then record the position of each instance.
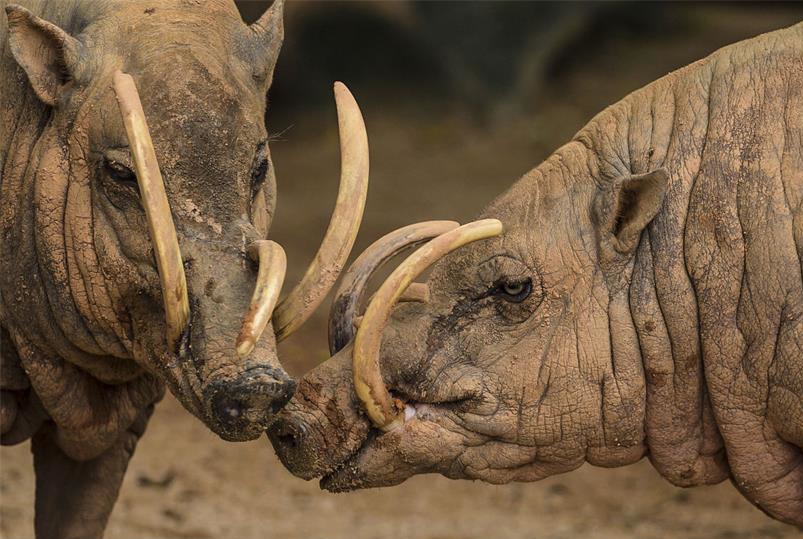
(343, 226)
(157, 209)
(272, 267)
(349, 295)
(416, 292)
(368, 382)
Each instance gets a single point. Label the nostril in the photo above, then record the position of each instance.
(248, 404)
(288, 440)
(290, 434)
(227, 409)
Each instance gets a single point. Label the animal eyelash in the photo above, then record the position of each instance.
(279, 136)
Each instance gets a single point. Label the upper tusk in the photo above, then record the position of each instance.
(157, 209)
(368, 382)
(325, 268)
(272, 266)
(350, 294)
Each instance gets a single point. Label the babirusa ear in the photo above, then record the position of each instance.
(625, 209)
(268, 35)
(47, 54)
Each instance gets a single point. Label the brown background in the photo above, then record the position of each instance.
(460, 99)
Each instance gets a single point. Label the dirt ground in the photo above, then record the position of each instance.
(429, 160)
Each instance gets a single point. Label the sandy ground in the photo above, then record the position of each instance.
(185, 483)
(427, 162)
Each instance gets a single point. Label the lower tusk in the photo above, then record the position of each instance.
(416, 293)
(272, 266)
(349, 296)
(336, 246)
(157, 210)
(368, 382)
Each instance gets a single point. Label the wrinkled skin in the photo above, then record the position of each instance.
(83, 329)
(645, 299)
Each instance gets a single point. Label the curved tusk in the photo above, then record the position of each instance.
(272, 266)
(349, 295)
(157, 209)
(343, 226)
(416, 292)
(368, 382)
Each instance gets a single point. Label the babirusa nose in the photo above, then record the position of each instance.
(272, 266)
(244, 407)
(295, 445)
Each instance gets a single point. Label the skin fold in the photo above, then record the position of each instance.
(84, 355)
(645, 299)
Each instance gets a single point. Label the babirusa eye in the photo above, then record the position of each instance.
(515, 291)
(119, 172)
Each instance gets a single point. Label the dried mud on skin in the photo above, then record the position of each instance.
(184, 482)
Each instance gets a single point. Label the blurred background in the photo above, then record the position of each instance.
(460, 99)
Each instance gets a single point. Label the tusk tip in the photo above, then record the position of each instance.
(493, 225)
(342, 92)
(245, 347)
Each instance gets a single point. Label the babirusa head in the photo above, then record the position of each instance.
(224, 364)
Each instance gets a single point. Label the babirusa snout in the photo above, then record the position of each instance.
(368, 382)
(270, 276)
(157, 210)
